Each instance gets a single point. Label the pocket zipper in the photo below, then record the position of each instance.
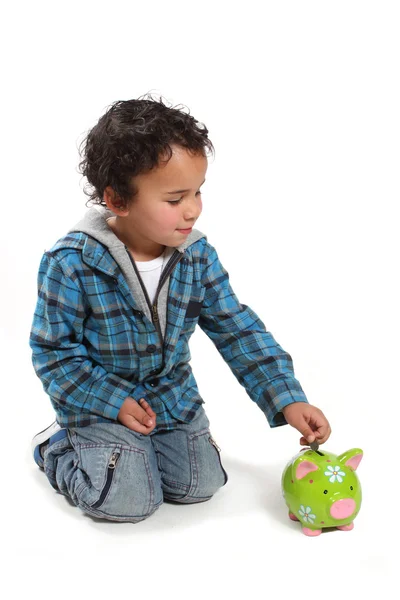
(110, 474)
(113, 460)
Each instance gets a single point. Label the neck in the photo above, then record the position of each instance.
(142, 250)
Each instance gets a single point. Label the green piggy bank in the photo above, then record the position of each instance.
(322, 489)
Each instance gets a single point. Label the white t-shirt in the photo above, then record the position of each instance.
(150, 271)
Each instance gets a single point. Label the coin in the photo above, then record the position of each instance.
(314, 446)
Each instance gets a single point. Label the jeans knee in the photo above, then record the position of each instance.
(116, 483)
(131, 515)
(205, 476)
(204, 488)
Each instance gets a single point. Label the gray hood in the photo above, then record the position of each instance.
(94, 223)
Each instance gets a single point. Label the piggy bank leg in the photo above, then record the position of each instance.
(293, 517)
(311, 532)
(348, 527)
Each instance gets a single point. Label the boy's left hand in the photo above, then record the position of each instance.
(309, 420)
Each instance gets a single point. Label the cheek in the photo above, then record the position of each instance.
(168, 218)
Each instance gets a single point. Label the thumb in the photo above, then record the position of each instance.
(142, 416)
(307, 432)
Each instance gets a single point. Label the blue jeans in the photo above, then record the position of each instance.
(111, 472)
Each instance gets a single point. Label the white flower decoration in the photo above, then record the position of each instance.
(335, 474)
(306, 514)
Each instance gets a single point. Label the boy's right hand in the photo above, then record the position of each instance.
(137, 416)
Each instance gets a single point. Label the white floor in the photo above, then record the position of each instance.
(241, 543)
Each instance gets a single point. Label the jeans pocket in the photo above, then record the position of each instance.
(118, 480)
(218, 449)
(207, 472)
(110, 475)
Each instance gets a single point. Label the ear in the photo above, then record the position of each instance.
(351, 458)
(304, 467)
(113, 202)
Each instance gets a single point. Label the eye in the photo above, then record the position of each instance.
(351, 487)
(325, 491)
(178, 201)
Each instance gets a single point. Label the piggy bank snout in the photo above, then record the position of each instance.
(341, 509)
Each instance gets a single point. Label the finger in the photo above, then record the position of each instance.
(304, 442)
(141, 415)
(151, 415)
(134, 425)
(321, 437)
(324, 435)
(322, 431)
(318, 421)
(147, 408)
(307, 432)
(315, 427)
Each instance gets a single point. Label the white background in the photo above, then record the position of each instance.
(301, 100)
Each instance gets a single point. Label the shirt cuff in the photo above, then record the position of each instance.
(278, 394)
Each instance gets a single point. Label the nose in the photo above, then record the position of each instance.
(343, 508)
(193, 210)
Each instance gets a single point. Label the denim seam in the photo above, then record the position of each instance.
(111, 445)
(150, 480)
(187, 499)
(177, 484)
(195, 473)
(80, 487)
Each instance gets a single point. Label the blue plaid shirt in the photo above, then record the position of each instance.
(92, 346)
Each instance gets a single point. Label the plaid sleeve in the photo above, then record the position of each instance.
(59, 356)
(258, 362)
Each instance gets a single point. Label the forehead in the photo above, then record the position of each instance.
(184, 169)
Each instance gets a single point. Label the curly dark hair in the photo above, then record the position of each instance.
(133, 137)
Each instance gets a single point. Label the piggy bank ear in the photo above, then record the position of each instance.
(351, 458)
(304, 467)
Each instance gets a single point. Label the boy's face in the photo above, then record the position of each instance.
(156, 215)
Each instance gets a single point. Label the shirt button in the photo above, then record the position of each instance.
(151, 348)
(154, 382)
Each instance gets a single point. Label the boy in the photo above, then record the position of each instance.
(118, 298)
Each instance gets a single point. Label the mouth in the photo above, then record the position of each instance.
(188, 230)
